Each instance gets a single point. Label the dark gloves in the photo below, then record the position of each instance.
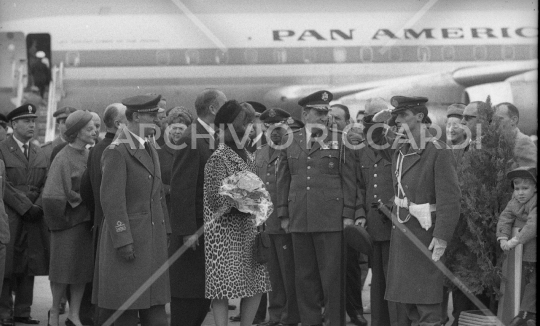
(34, 214)
(127, 252)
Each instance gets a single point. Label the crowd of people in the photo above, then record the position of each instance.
(126, 223)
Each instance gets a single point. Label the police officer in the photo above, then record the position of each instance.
(60, 115)
(28, 250)
(316, 199)
(426, 206)
(283, 308)
(133, 240)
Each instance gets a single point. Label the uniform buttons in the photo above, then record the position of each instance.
(375, 165)
(404, 231)
(268, 174)
(375, 186)
(393, 226)
(309, 157)
(267, 183)
(149, 177)
(375, 175)
(374, 196)
(152, 223)
(307, 188)
(309, 178)
(309, 167)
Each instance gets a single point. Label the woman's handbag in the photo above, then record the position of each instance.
(262, 247)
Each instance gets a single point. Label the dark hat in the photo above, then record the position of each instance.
(319, 100)
(227, 113)
(295, 123)
(524, 172)
(258, 107)
(76, 121)
(24, 111)
(455, 110)
(358, 238)
(3, 118)
(64, 112)
(142, 103)
(415, 104)
(274, 115)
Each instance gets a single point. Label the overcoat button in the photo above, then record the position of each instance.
(307, 188)
(375, 175)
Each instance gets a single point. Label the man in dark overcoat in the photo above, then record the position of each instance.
(376, 175)
(283, 307)
(188, 304)
(28, 249)
(133, 240)
(316, 199)
(4, 224)
(426, 206)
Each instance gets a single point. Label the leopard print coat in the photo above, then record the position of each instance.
(231, 268)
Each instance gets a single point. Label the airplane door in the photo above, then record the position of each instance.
(38, 48)
(12, 54)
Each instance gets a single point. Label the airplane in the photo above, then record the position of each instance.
(277, 52)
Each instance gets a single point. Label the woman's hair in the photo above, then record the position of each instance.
(238, 122)
(179, 114)
(71, 138)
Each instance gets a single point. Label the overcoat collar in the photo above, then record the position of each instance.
(372, 155)
(410, 160)
(136, 150)
(201, 130)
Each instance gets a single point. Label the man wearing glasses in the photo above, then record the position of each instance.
(60, 116)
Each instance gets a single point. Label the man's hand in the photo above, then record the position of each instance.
(34, 214)
(438, 246)
(382, 116)
(285, 224)
(512, 243)
(191, 241)
(360, 221)
(127, 252)
(347, 222)
(504, 245)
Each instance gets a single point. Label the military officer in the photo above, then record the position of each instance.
(376, 174)
(426, 206)
(316, 199)
(133, 240)
(28, 249)
(283, 308)
(60, 115)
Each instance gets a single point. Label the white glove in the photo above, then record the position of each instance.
(438, 246)
(382, 116)
(512, 243)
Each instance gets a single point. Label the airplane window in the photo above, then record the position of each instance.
(221, 57)
(395, 54)
(309, 55)
(340, 55)
(423, 53)
(193, 57)
(251, 56)
(366, 54)
(480, 52)
(73, 59)
(163, 58)
(279, 56)
(508, 52)
(448, 53)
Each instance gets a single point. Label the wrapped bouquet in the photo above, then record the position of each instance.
(247, 190)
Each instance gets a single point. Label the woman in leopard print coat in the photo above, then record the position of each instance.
(231, 268)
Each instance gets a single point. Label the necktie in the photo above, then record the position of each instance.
(25, 152)
(147, 147)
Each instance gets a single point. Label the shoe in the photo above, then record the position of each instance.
(359, 320)
(235, 318)
(257, 321)
(7, 321)
(69, 322)
(271, 323)
(517, 321)
(232, 307)
(26, 320)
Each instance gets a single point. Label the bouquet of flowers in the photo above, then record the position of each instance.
(247, 190)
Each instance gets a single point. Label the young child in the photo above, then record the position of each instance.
(521, 212)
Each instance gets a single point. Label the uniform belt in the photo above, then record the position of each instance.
(405, 203)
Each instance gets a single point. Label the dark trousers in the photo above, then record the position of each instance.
(153, 316)
(23, 287)
(189, 311)
(318, 263)
(528, 288)
(353, 284)
(423, 314)
(283, 306)
(2, 264)
(383, 312)
(461, 303)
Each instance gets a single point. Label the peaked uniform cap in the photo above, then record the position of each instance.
(319, 100)
(274, 115)
(64, 112)
(142, 103)
(258, 107)
(416, 104)
(24, 111)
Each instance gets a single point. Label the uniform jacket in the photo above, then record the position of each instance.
(4, 220)
(525, 151)
(48, 147)
(428, 176)
(28, 249)
(187, 190)
(524, 217)
(316, 186)
(131, 196)
(376, 176)
(266, 160)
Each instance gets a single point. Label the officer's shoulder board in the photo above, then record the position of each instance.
(439, 144)
(49, 143)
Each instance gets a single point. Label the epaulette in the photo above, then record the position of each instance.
(113, 144)
(46, 144)
(439, 144)
(297, 130)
